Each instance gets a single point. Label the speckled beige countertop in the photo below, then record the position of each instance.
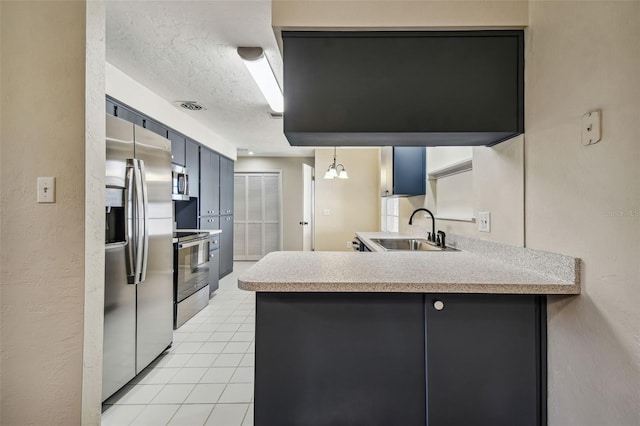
(416, 272)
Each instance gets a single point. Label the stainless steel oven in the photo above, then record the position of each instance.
(191, 275)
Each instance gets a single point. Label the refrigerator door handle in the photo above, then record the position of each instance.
(145, 221)
(139, 221)
(129, 221)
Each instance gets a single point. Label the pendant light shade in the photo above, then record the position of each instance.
(336, 170)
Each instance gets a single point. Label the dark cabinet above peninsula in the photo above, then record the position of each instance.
(365, 88)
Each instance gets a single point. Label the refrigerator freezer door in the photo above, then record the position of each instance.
(119, 358)
(119, 344)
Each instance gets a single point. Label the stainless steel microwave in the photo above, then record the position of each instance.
(179, 183)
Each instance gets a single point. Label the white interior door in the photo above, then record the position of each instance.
(307, 208)
(257, 215)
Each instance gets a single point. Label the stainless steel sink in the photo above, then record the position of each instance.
(409, 244)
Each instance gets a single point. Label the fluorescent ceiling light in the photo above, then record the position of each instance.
(261, 71)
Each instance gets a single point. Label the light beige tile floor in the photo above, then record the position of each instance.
(206, 378)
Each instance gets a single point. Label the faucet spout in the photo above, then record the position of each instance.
(432, 235)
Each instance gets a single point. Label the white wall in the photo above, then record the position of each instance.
(353, 204)
(498, 187)
(364, 14)
(130, 92)
(95, 149)
(585, 201)
(44, 131)
(291, 168)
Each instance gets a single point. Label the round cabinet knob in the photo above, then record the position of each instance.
(438, 305)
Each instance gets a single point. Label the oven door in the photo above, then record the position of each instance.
(192, 267)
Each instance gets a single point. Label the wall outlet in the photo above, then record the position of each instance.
(46, 190)
(484, 221)
(326, 212)
(349, 244)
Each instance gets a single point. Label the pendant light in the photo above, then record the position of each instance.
(336, 170)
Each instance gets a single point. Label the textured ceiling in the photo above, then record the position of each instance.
(186, 51)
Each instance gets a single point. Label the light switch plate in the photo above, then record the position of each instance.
(484, 221)
(591, 132)
(326, 212)
(46, 190)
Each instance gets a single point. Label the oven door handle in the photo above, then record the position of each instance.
(192, 243)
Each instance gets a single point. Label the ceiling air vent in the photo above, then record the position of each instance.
(275, 115)
(190, 105)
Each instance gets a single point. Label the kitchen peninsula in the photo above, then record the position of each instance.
(380, 338)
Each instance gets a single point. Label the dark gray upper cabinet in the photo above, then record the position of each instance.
(178, 146)
(192, 163)
(403, 170)
(111, 107)
(209, 183)
(128, 115)
(155, 127)
(226, 186)
(365, 88)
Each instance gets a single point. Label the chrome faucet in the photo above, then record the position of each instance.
(431, 235)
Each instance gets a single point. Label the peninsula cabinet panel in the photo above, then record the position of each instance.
(486, 359)
(400, 359)
(339, 359)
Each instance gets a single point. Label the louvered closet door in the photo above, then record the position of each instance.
(257, 223)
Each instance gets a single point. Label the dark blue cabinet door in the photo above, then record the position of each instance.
(226, 245)
(214, 271)
(111, 107)
(178, 146)
(130, 116)
(192, 163)
(409, 166)
(209, 182)
(340, 359)
(211, 222)
(485, 359)
(155, 127)
(226, 185)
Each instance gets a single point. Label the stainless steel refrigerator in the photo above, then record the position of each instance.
(138, 305)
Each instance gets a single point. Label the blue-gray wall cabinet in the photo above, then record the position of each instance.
(192, 163)
(209, 183)
(178, 146)
(404, 170)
